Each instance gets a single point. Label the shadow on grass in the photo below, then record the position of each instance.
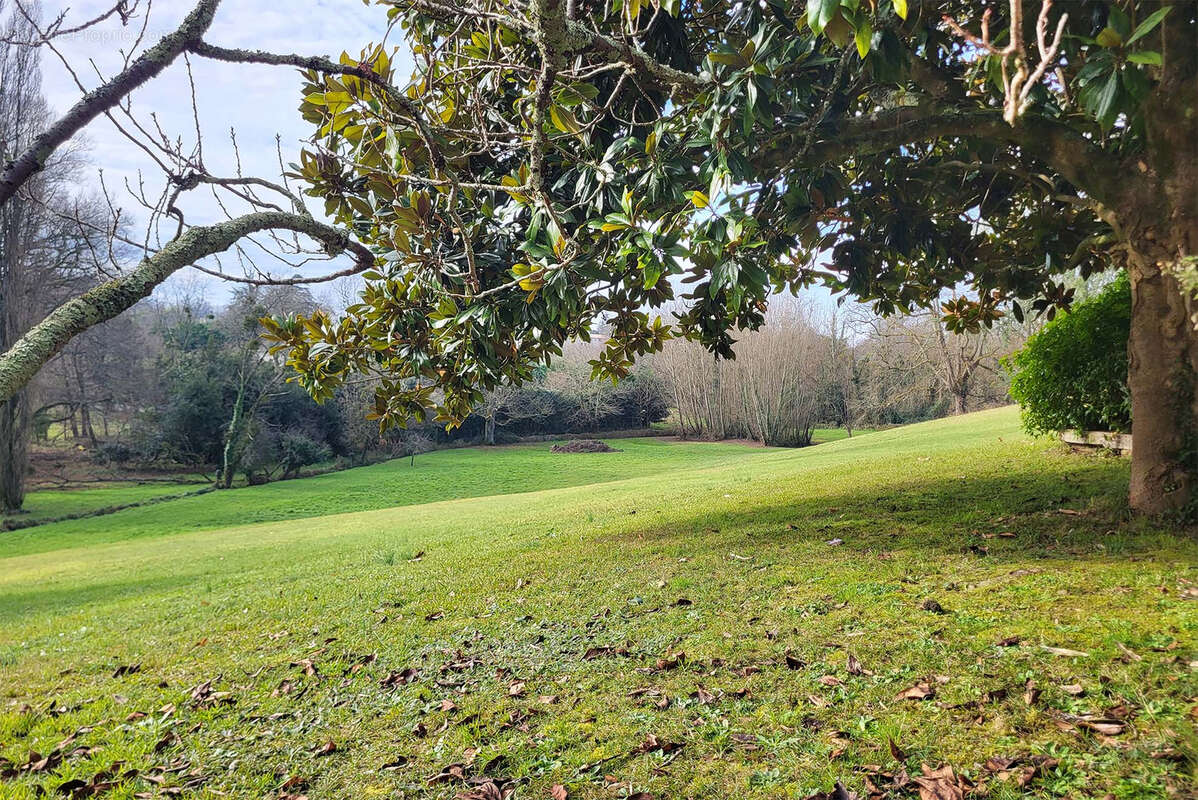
(1052, 514)
(1064, 514)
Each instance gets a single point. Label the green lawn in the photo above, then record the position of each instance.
(441, 475)
(825, 435)
(58, 503)
(544, 629)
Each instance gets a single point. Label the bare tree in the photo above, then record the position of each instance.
(770, 392)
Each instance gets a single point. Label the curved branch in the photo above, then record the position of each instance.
(106, 97)
(46, 339)
(1077, 158)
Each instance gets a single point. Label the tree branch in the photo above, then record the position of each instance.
(106, 97)
(45, 340)
(1076, 157)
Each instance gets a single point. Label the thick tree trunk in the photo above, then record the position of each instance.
(1161, 221)
(489, 430)
(14, 451)
(959, 403)
(1162, 364)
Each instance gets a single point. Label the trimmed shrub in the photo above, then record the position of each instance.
(1073, 373)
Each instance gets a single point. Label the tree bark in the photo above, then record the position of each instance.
(1162, 364)
(14, 455)
(1161, 221)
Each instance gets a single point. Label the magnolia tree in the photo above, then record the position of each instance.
(553, 165)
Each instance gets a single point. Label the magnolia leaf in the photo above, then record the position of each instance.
(1150, 57)
(1146, 27)
(564, 120)
(1109, 37)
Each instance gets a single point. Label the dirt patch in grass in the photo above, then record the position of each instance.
(584, 446)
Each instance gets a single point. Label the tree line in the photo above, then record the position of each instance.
(178, 384)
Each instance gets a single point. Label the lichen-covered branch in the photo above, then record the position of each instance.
(45, 340)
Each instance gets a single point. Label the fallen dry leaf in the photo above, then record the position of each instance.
(920, 691)
(1064, 651)
(653, 744)
(939, 784)
(558, 792)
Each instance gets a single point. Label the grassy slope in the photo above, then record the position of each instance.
(56, 503)
(527, 582)
(442, 475)
(825, 435)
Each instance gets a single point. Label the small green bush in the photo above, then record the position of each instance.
(1073, 373)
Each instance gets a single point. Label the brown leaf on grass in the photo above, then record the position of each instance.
(487, 789)
(745, 741)
(126, 669)
(433, 617)
(939, 784)
(308, 666)
(896, 752)
(285, 687)
(420, 731)
(547, 699)
(931, 605)
(1064, 651)
(606, 650)
(1107, 726)
(326, 749)
(794, 662)
(202, 696)
(703, 696)
(683, 602)
(1128, 654)
(854, 666)
(1073, 689)
(360, 663)
(1022, 768)
(1010, 641)
(920, 691)
(448, 705)
(419, 555)
(830, 680)
(450, 772)
(171, 739)
(670, 661)
(400, 678)
(396, 763)
(558, 792)
(1031, 692)
(516, 689)
(653, 744)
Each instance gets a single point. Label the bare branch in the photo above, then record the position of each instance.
(45, 340)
